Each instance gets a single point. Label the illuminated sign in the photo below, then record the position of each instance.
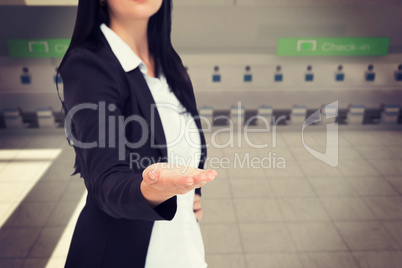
(348, 46)
(38, 48)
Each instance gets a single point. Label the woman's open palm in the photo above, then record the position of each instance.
(176, 179)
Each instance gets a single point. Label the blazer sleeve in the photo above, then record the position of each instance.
(113, 185)
(198, 191)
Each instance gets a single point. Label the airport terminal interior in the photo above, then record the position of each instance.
(300, 102)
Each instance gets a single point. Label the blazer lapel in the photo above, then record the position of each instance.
(142, 94)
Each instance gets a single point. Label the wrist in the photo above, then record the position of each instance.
(153, 196)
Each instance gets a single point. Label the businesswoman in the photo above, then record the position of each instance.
(132, 119)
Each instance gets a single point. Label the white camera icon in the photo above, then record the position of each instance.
(306, 45)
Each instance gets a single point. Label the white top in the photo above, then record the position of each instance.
(176, 243)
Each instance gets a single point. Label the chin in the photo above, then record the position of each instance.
(135, 9)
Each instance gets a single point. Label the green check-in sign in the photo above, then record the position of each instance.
(348, 46)
(38, 48)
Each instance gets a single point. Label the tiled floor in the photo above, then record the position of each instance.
(276, 206)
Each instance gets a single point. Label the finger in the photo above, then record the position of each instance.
(197, 205)
(201, 177)
(200, 184)
(191, 171)
(211, 173)
(184, 181)
(206, 175)
(199, 214)
(197, 199)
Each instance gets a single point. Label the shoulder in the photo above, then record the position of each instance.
(90, 76)
(82, 60)
(95, 66)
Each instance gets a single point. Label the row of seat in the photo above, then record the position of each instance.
(13, 118)
(299, 114)
(278, 76)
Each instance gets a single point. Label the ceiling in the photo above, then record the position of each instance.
(222, 2)
(40, 2)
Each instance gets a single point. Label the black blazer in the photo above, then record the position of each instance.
(114, 228)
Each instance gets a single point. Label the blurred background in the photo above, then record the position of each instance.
(253, 61)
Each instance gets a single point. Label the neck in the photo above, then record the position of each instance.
(134, 33)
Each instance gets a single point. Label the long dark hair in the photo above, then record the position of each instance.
(91, 15)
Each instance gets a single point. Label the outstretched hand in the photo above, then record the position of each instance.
(164, 180)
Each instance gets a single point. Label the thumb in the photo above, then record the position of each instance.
(152, 176)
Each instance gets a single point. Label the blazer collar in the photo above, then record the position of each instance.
(124, 54)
